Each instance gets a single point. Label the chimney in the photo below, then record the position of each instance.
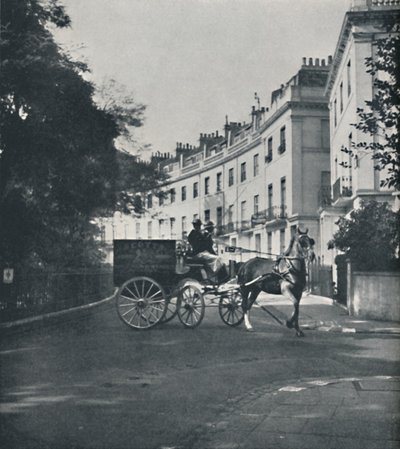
(216, 133)
(329, 59)
(310, 61)
(304, 61)
(323, 62)
(317, 62)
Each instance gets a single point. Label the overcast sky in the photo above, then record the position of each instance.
(194, 61)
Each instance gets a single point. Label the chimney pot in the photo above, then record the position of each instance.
(330, 59)
(310, 61)
(216, 134)
(323, 62)
(317, 62)
(304, 61)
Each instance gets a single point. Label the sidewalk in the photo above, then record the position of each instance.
(323, 314)
(347, 413)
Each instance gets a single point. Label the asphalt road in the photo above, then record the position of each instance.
(95, 383)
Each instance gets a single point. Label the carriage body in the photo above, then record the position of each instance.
(157, 281)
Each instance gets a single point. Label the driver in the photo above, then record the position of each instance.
(209, 257)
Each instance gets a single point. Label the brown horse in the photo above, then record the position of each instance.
(287, 277)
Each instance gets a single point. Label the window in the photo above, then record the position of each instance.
(283, 191)
(161, 229)
(172, 227)
(258, 243)
(219, 182)
(219, 217)
(183, 194)
(243, 171)
(256, 168)
(184, 227)
(230, 214)
(243, 210)
(341, 96)
(282, 240)
(161, 199)
(149, 230)
(173, 195)
(282, 146)
(270, 196)
(256, 203)
(283, 197)
(207, 185)
(230, 177)
(149, 201)
(195, 190)
(138, 236)
(349, 78)
(195, 217)
(268, 158)
(335, 112)
(207, 215)
(269, 242)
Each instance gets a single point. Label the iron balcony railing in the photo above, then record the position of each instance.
(342, 188)
(277, 212)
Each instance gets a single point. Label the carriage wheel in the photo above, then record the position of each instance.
(230, 308)
(141, 303)
(191, 306)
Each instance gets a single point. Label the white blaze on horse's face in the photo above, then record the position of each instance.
(306, 243)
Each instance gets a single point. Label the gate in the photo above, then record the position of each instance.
(320, 279)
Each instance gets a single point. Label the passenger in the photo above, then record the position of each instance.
(196, 238)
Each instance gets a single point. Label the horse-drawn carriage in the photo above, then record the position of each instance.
(157, 282)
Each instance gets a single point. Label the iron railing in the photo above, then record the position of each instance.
(43, 292)
(342, 188)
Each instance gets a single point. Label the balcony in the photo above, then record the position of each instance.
(226, 229)
(245, 225)
(276, 216)
(259, 218)
(342, 190)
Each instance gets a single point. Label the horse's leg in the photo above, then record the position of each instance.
(249, 302)
(293, 322)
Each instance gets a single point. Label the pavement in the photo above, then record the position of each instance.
(346, 413)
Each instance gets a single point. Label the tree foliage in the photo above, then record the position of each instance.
(136, 179)
(369, 237)
(57, 158)
(380, 118)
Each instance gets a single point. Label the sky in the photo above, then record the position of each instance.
(192, 62)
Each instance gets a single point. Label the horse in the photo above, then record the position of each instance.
(286, 276)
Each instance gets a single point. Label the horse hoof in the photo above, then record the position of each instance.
(289, 324)
(300, 334)
(250, 329)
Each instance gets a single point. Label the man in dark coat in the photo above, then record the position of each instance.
(196, 238)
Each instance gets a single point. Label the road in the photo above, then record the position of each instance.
(95, 383)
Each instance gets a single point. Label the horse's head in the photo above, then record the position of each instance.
(305, 244)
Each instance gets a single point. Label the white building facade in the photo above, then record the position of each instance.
(256, 181)
(348, 87)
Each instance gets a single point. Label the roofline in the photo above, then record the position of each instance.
(348, 21)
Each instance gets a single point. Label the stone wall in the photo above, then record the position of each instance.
(375, 295)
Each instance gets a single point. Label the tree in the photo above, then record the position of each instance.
(381, 116)
(136, 178)
(369, 237)
(57, 156)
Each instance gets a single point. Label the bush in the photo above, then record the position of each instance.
(369, 237)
